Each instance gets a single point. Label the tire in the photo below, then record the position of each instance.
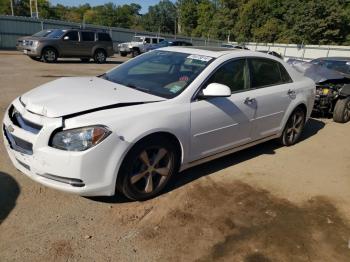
(85, 59)
(135, 52)
(341, 112)
(294, 127)
(141, 175)
(49, 55)
(100, 56)
(124, 54)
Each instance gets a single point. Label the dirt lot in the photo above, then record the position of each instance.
(267, 203)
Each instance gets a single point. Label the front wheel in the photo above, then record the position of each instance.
(293, 128)
(49, 55)
(100, 56)
(148, 168)
(341, 112)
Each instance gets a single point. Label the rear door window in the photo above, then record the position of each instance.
(264, 72)
(154, 41)
(88, 36)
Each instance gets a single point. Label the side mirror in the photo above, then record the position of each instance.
(66, 38)
(215, 90)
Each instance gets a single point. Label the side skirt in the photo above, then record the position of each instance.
(226, 152)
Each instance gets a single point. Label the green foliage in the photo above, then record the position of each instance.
(160, 17)
(285, 21)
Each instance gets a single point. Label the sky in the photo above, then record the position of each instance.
(144, 3)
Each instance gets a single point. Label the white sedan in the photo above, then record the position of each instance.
(131, 129)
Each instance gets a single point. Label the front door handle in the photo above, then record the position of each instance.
(249, 101)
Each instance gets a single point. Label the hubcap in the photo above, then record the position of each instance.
(151, 169)
(295, 127)
(50, 55)
(100, 56)
(347, 111)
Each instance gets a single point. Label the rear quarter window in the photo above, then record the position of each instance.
(104, 37)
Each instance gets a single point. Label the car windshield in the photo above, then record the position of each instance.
(42, 33)
(161, 73)
(137, 39)
(56, 34)
(340, 66)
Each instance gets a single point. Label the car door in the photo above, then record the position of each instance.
(218, 124)
(87, 42)
(69, 45)
(274, 91)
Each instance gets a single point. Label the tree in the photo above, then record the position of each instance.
(160, 17)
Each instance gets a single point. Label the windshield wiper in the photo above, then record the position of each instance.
(138, 88)
(104, 76)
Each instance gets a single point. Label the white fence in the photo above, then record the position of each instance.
(306, 52)
(13, 27)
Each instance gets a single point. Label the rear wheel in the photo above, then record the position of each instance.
(123, 54)
(100, 56)
(341, 112)
(148, 168)
(49, 55)
(293, 128)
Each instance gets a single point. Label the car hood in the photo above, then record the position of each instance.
(30, 38)
(79, 95)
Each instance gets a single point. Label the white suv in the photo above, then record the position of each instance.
(138, 45)
(138, 124)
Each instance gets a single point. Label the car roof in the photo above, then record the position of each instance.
(204, 50)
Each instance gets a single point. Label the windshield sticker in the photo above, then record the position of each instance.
(175, 89)
(200, 58)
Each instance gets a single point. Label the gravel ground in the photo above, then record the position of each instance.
(266, 203)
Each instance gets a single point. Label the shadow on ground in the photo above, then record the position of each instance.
(268, 148)
(9, 191)
(312, 128)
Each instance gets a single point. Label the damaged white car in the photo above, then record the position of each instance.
(133, 128)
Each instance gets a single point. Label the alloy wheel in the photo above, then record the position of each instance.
(294, 127)
(100, 57)
(151, 169)
(50, 55)
(347, 112)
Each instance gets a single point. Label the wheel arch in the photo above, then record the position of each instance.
(150, 135)
(154, 134)
(301, 105)
(52, 47)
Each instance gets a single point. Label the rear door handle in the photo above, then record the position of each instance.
(249, 101)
